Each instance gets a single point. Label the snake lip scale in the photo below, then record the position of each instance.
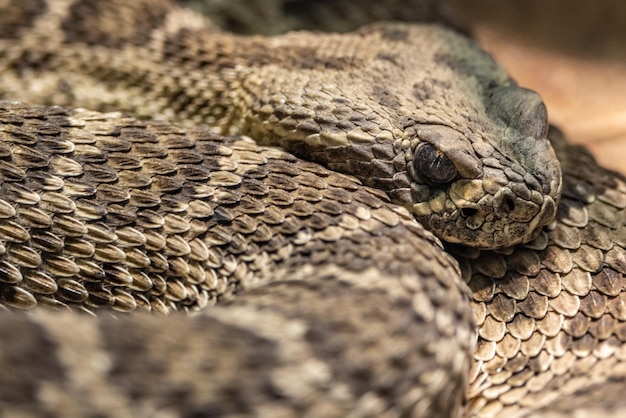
(378, 223)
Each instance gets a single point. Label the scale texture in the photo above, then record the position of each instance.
(180, 268)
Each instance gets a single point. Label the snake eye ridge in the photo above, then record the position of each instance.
(432, 165)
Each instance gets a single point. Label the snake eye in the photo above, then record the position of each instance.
(432, 165)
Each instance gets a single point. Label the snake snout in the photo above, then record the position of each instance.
(488, 220)
(506, 205)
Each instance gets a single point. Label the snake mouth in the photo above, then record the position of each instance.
(493, 221)
(546, 215)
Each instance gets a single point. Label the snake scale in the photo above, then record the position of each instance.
(164, 264)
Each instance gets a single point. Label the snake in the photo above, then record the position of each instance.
(379, 223)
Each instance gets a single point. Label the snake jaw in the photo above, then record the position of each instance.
(503, 194)
(493, 221)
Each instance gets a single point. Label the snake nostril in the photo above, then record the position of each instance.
(507, 205)
(467, 212)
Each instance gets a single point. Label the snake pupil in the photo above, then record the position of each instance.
(432, 165)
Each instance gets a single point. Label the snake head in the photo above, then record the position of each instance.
(475, 194)
(473, 162)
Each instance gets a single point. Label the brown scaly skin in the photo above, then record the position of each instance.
(107, 213)
(376, 104)
(551, 313)
(344, 316)
(342, 303)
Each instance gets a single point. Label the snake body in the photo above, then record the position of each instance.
(334, 295)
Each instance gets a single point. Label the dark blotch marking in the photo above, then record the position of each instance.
(385, 98)
(202, 50)
(392, 58)
(88, 21)
(467, 66)
(19, 14)
(144, 360)
(428, 88)
(457, 64)
(308, 59)
(28, 360)
(392, 33)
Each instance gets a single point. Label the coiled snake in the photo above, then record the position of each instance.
(332, 298)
